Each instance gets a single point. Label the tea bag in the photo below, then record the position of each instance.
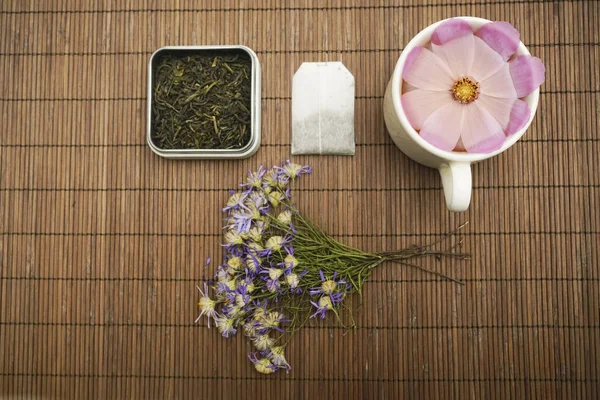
(323, 109)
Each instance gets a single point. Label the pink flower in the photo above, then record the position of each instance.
(465, 92)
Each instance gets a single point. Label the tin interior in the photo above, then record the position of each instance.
(182, 52)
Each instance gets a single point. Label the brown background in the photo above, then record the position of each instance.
(102, 243)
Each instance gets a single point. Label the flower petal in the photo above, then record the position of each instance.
(499, 84)
(511, 114)
(481, 133)
(519, 115)
(419, 104)
(500, 36)
(498, 107)
(443, 127)
(528, 73)
(425, 70)
(458, 54)
(449, 30)
(486, 61)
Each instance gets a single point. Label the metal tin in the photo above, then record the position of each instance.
(255, 110)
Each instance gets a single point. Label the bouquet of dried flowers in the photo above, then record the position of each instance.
(279, 269)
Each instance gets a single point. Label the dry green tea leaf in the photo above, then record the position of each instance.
(202, 101)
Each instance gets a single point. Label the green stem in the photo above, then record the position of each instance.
(430, 271)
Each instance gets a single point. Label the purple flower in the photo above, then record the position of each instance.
(226, 287)
(328, 286)
(274, 178)
(272, 278)
(276, 243)
(229, 293)
(264, 321)
(241, 222)
(246, 286)
(232, 240)
(206, 304)
(322, 306)
(275, 198)
(262, 226)
(250, 329)
(254, 235)
(262, 365)
(233, 311)
(272, 273)
(273, 319)
(235, 202)
(285, 217)
(293, 280)
(277, 357)
(260, 309)
(337, 297)
(253, 262)
(235, 263)
(292, 171)
(254, 180)
(225, 325)
(222, 273)
(258, 201)
(242, 298)
(235, 250)
(263, 342)
(289, 262)
(273, 285)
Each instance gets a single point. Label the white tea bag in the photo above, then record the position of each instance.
(323, 109)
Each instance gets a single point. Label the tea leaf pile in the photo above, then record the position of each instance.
(202, 101)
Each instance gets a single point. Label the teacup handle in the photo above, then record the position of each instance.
(457, 183)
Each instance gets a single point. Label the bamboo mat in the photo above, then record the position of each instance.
(102, 243)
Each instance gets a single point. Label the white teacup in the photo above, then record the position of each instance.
(454, 167)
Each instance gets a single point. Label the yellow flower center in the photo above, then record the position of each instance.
(259, 313)
(285, 217)
(325, 302)
(274, 243)
(235, 262)
(263, 342)
(465, 90)
(239, 300)
(231, 284)
(275, 198)
(206, 304)
(292, 280)
(275, 273)
(328, 286)
(233, 237)
(255, 234)
(250, 330)
(253, 263)
(291, 261)
(263, 366)
(272, 319)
